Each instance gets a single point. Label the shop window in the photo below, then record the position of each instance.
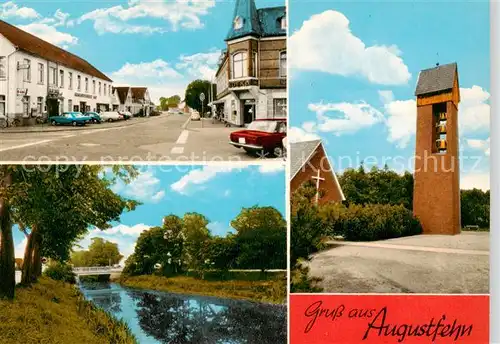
(279, 107)
(2, 105)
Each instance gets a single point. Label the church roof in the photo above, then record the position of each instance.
(437, 79)
(264, 22)
(300, 153)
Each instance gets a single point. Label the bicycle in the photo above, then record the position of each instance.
(9, 122)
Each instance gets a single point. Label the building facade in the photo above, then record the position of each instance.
(251, 77)
(436, 194)
(309, 163)
(38, 78)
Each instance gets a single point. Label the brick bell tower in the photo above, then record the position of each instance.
(436, 194)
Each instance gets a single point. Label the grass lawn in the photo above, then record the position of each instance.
(270, 287)
(52, 312)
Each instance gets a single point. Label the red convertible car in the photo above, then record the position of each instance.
(262, 136)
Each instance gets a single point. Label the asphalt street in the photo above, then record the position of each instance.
(159, 139)
(421, 264)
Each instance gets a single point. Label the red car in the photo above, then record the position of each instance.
(262, 136)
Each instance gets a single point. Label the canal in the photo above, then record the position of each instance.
(160, 317)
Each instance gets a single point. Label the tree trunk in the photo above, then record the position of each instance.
(28, 259)
(7, 253)
(37, 257)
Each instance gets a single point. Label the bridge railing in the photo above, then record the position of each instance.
(96, 268)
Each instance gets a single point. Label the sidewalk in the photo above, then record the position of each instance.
(47, 128)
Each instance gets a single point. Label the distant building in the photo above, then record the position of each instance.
(38, 77)
(309, 162)
(252, 73)
(141, 100)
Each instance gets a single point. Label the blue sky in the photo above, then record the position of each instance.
(354, 66)
(218, 192)
(163, 44)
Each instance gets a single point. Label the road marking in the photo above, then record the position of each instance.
(177, 150)
(26, 145)
(183, 137)
(411, 248)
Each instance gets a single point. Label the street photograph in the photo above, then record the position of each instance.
(140, 254)
(143, 81)
(390, 148)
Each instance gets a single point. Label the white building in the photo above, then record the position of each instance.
(37, 77)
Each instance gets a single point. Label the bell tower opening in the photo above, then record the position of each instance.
(439, 123)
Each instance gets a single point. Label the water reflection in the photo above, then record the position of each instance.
(157, 317)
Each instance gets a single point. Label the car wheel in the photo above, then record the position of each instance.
(110, 120)
(53, 123)
(278, 152)
(73, 123)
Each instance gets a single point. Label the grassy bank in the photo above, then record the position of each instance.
(269, 288)
(52, 312)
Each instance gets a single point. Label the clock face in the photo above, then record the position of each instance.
(238, 23)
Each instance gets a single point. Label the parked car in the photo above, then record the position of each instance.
(263, 136)
(73, 118)
(125, 114)
(94, 116)
(195, 116)
(110, 116)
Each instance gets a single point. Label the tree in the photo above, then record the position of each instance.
(475, 208)
(7, 262)
(55, 205)
(221, 252)
(195, 234)
(193, 92)
(100, 253)
(261, 238)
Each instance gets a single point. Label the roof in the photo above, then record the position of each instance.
(139, 92)
(300, 153)
(122, 93)
(38, 47)
(437, 79)
(264, 22)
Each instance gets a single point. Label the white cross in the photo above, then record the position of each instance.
(318, 179)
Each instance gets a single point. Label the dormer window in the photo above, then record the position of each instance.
(281, 23)
(238, 23)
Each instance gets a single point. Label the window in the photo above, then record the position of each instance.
(87, 85)
(3, 67)
(254, 65)
(79, 83)
(99, 88)
(93, 86)
(39, 104)
(279, 107)
(282, 23)
(283, 64)
(240, 65)
(70, 105)
(2, 105)
(61, 78)
(53, 76)
(238, 23)
(27, 70)
(105, 88)
(26, 106)
(40, 73)
(70, 79)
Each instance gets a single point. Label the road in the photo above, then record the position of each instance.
(421, 264)
(160, 139)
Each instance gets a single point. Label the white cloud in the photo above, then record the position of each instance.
(477, 144)
(271, 167)
(179, 14)
(50, 34)
(11, 10)
(338, 51)
(346, 118)
(475, 180)
(201, 65)
(296, 134)
(60, 18)
(195, 179)
(474, 110)
(145, 188)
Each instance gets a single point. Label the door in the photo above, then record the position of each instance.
(26, 106)
(248, 113)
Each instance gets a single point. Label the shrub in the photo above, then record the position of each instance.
(377, 222)
(300, 282)
(61, 272)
